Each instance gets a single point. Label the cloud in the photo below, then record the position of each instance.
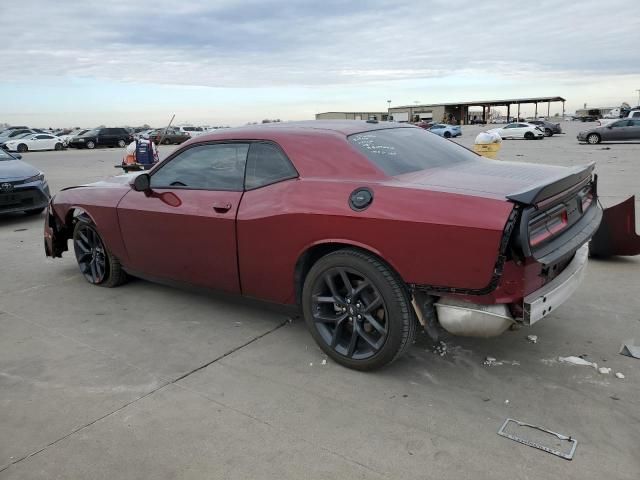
(309, 43)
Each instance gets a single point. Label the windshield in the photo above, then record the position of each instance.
(5, 156)
(402, 150)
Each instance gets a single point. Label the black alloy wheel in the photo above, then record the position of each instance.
(58, 146)
(358, 310)
(529, 136)
(22, 148)
(447, 135)
(548, 132)
(90, 253)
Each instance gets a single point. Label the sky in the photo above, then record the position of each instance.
(222, 62)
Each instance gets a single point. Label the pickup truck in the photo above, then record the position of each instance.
(635, 113)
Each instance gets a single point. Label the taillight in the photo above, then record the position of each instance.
(544, 227)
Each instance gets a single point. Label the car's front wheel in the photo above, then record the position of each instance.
(96, 263)
(593, 138)
(122, 143)
(90, 145)
(358, 310)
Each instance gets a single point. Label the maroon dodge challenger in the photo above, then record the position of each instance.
(370, 228)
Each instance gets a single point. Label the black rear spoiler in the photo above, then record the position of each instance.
(542, 191)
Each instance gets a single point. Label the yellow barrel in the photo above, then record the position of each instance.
(490, 150)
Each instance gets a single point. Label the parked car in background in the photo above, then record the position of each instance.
(102, 137)
(519, 130)
(23, 187)
(634, 113)
(426, 124)
(364, 226)
(38, 141)
(549, 128)
(191, 131)
(75, 133)
(619, 131)
(10, 129)
(446, 131)
(171, 137)
(11, 134)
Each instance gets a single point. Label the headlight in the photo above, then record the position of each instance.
(35, 178)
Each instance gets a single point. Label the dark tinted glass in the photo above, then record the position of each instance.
(208, 167)
(402, 150)
(267, 164)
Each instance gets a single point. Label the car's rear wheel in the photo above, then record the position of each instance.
(90, 145)
(529, 136)
(58, 146)
(358, 310)
(96, 263)
(21, 148)
(122, 143)
(447, 134)
(593, 138)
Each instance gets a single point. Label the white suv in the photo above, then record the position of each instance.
(192, 131)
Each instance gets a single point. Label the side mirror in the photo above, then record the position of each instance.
(142, 183)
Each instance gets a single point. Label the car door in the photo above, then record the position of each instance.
(617, 130)
(184, 228)
(44, 142)
(634, 130)
(507, 131)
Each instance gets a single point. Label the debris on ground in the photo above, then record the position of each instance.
(510, 427)
(532, 338)
(324, 361)
(604, 370)
(440, 348)
(619, 375)
(506, 402)
(630, 350)
(605, 148)
(21, 229)
(613, 397)
(238, 324)
(491, 362)
(577, 361)
(311, 364)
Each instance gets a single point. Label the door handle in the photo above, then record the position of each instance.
(222, 207)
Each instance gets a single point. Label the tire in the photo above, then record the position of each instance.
(593, 139)
(166, 141)
(529, 136)
(447, 135)
(90, 145)
(58, 147)
(21, 148)
(96, 263)
(35, 211)
(548, 132)
(122, 143)
(373, 320)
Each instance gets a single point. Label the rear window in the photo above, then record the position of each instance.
(402, 150)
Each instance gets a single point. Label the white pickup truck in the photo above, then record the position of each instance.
(635, 113)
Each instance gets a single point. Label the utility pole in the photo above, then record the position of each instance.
(638, 96)
(388, 110)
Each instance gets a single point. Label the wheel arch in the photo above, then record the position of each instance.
(314, 252)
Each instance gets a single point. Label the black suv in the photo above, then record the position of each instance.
(102, 137)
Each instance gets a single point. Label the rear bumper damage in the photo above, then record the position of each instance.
(468, 319)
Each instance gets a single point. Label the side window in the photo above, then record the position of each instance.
(267, 164)
(622, 123)
(636, 115)
(42, 137)
(205, 167)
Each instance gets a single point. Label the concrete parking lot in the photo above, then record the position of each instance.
(151, 382)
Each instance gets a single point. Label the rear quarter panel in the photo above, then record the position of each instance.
(431, 238)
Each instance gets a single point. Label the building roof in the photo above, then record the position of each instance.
(480, 103)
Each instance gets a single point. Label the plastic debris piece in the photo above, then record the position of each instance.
(324, 362)
(311, 364)
(630, 350)
(619, 375)
(506, 402)
(532, 338)
(604, 370)
(491, 362)
(577, 361)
